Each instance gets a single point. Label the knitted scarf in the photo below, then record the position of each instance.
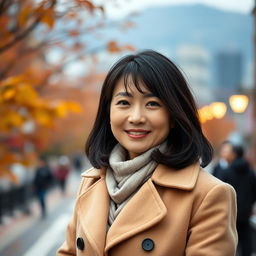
(124, 177)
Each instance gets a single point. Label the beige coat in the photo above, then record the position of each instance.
(185, 212)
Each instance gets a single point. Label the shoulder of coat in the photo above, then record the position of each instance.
(206, 181)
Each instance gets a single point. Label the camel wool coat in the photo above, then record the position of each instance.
(175, 213)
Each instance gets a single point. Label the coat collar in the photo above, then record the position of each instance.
(164, 176)
(93, 173)
(182, 179)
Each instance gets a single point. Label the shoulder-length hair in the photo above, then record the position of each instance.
(186, 142)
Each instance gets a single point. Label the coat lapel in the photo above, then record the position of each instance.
(144, 210)
(93, 206)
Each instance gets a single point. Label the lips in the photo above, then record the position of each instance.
(137, 133)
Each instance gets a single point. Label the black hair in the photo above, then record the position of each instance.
(238, 150)
(186, 141)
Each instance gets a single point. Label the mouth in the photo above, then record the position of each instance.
(137, 133)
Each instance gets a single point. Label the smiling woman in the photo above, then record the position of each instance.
(147, 183)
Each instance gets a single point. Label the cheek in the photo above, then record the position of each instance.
(116, 118)
(162, 121)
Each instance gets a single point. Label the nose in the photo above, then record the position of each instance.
(137, 115)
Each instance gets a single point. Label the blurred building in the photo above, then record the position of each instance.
(194, 60)
(228, 73)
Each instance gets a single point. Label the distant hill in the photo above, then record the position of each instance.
(168, 27)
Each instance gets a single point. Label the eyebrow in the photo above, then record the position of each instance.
(127, 94)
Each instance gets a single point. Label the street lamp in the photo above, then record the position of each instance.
(218, 109)
(238, 103)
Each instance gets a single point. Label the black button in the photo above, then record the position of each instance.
(148, 244)
(80, 243)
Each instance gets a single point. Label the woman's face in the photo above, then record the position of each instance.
(139, 121)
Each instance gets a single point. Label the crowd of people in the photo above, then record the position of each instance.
(35, 183)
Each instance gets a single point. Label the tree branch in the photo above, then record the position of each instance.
(24, 33)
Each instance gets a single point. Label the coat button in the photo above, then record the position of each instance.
(80, 243)
(148, 244)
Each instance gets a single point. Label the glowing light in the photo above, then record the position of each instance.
(238, 103)
(218, 109)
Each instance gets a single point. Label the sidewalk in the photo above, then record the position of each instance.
(15, 226)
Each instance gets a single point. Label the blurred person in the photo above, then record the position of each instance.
(22, 186)
(147, 192)
(243, 179)
(62, 171)
(77, 162)
(42, 182)
(225, 156)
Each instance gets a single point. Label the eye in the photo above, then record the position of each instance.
(122, 102)
(153, 104)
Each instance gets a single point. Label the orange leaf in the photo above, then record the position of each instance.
(61, 110)
(112, 46)
(73, 106)
(48, 18)
(129, 47)
(13, 119)
(43, 117)
(13, 80)
(8, 93)
(26, 94)
(88, 4)
(74, 33)
(71, 15)
(24, 15)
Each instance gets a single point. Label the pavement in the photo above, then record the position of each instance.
(28, 235)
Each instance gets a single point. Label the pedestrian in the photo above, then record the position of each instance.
(221, 166)
(77, 162)
(62, 171)
(242, 178)
(42, 182)
(147, 192)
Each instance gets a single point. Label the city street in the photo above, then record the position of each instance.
(30, 235)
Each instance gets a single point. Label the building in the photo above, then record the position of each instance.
(228, 73)
(195, 62)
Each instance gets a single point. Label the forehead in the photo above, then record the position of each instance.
(129, 86)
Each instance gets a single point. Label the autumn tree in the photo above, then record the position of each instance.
(32, 33)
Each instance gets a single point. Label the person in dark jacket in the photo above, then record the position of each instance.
(242, 178)
(220, 168)
(42, 181)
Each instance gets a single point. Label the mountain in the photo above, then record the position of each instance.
(166, 28)
(191, 24)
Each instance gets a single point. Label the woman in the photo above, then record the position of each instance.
(146, 193)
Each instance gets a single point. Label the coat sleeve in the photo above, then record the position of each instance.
(69, 246)
(213, 227)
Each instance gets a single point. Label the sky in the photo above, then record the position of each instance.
(124, 7)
